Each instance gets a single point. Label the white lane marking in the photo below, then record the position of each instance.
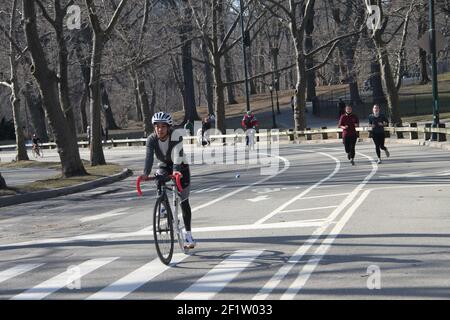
(143, 232)
(258, 198)
(62, 280)
(312, 263)
(283, 206)
(296, 257)
(327, 196)
(286, 166)
(17, 270)
(277, 225)
(109, 214)
(135, 279)
(218, 277)
(307, 209)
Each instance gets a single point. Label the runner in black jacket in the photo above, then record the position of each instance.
(378, 121)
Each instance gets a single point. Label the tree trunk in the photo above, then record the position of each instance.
(252, 86)
(107, 110)
(83, 101)
(310, 81)
(349, 56)
(219, 98)
(37, 114)
(143, 101)
(190, 110)
(389, 84)
(65, 139)
(136, 95)
(208, 80)
(2, 182)
(97, 157)
(20, 139)
(229, 78)
(422, 26)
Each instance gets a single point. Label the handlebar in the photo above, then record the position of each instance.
(176, 177)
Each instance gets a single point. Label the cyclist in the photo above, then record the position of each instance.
(378, 121)
(160, 144)
(249, 122)
(35, 143)
(348, 122)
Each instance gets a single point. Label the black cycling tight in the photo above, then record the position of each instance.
(186, 209)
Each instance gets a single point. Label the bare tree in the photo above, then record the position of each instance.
(60, 119)
(99, 39)
(289, 11)
(345, 15)
(13, 85)
(392, 76)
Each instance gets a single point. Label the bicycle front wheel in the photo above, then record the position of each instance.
(163, 230)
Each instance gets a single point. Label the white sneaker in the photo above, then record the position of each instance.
(189, 242)
(387, 153)
(378, 161)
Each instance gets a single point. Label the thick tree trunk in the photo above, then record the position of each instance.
(65, 138)
(389, 84)
(97, 157)
(422, 28)
(190, 110)
(349, 56)
(20, 139)
(37, 114)
(229, 78)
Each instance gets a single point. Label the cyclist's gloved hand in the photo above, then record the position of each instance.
(177, 172)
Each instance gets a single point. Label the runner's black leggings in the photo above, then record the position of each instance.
(349, 143)
(378, 139)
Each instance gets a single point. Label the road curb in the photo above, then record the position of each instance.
(47, 194)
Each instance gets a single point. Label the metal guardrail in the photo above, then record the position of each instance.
(413, 131)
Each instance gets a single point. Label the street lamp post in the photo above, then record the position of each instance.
(245, 42)
(276, 94)
(434, 70)
(274, 124)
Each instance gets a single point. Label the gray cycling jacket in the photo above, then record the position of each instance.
(166, 161)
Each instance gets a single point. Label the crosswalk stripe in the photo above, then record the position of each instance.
(17, 270)
(62, 280)
(135, 279)
(218, 277)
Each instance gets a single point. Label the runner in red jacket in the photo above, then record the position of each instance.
(348, 122)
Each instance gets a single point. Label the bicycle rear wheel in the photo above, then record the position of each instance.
(163, 230)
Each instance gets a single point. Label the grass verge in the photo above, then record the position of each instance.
(94, 173)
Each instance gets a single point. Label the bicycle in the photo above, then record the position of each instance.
(37, 151)
(166, 221)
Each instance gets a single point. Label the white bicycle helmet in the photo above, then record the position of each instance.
(162, 117)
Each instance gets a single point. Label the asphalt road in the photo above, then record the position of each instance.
(317, 228)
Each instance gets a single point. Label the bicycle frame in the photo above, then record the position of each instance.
(175, 199)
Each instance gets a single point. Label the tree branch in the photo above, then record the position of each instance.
(115, 17)
(232, 83)
(45, 14)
